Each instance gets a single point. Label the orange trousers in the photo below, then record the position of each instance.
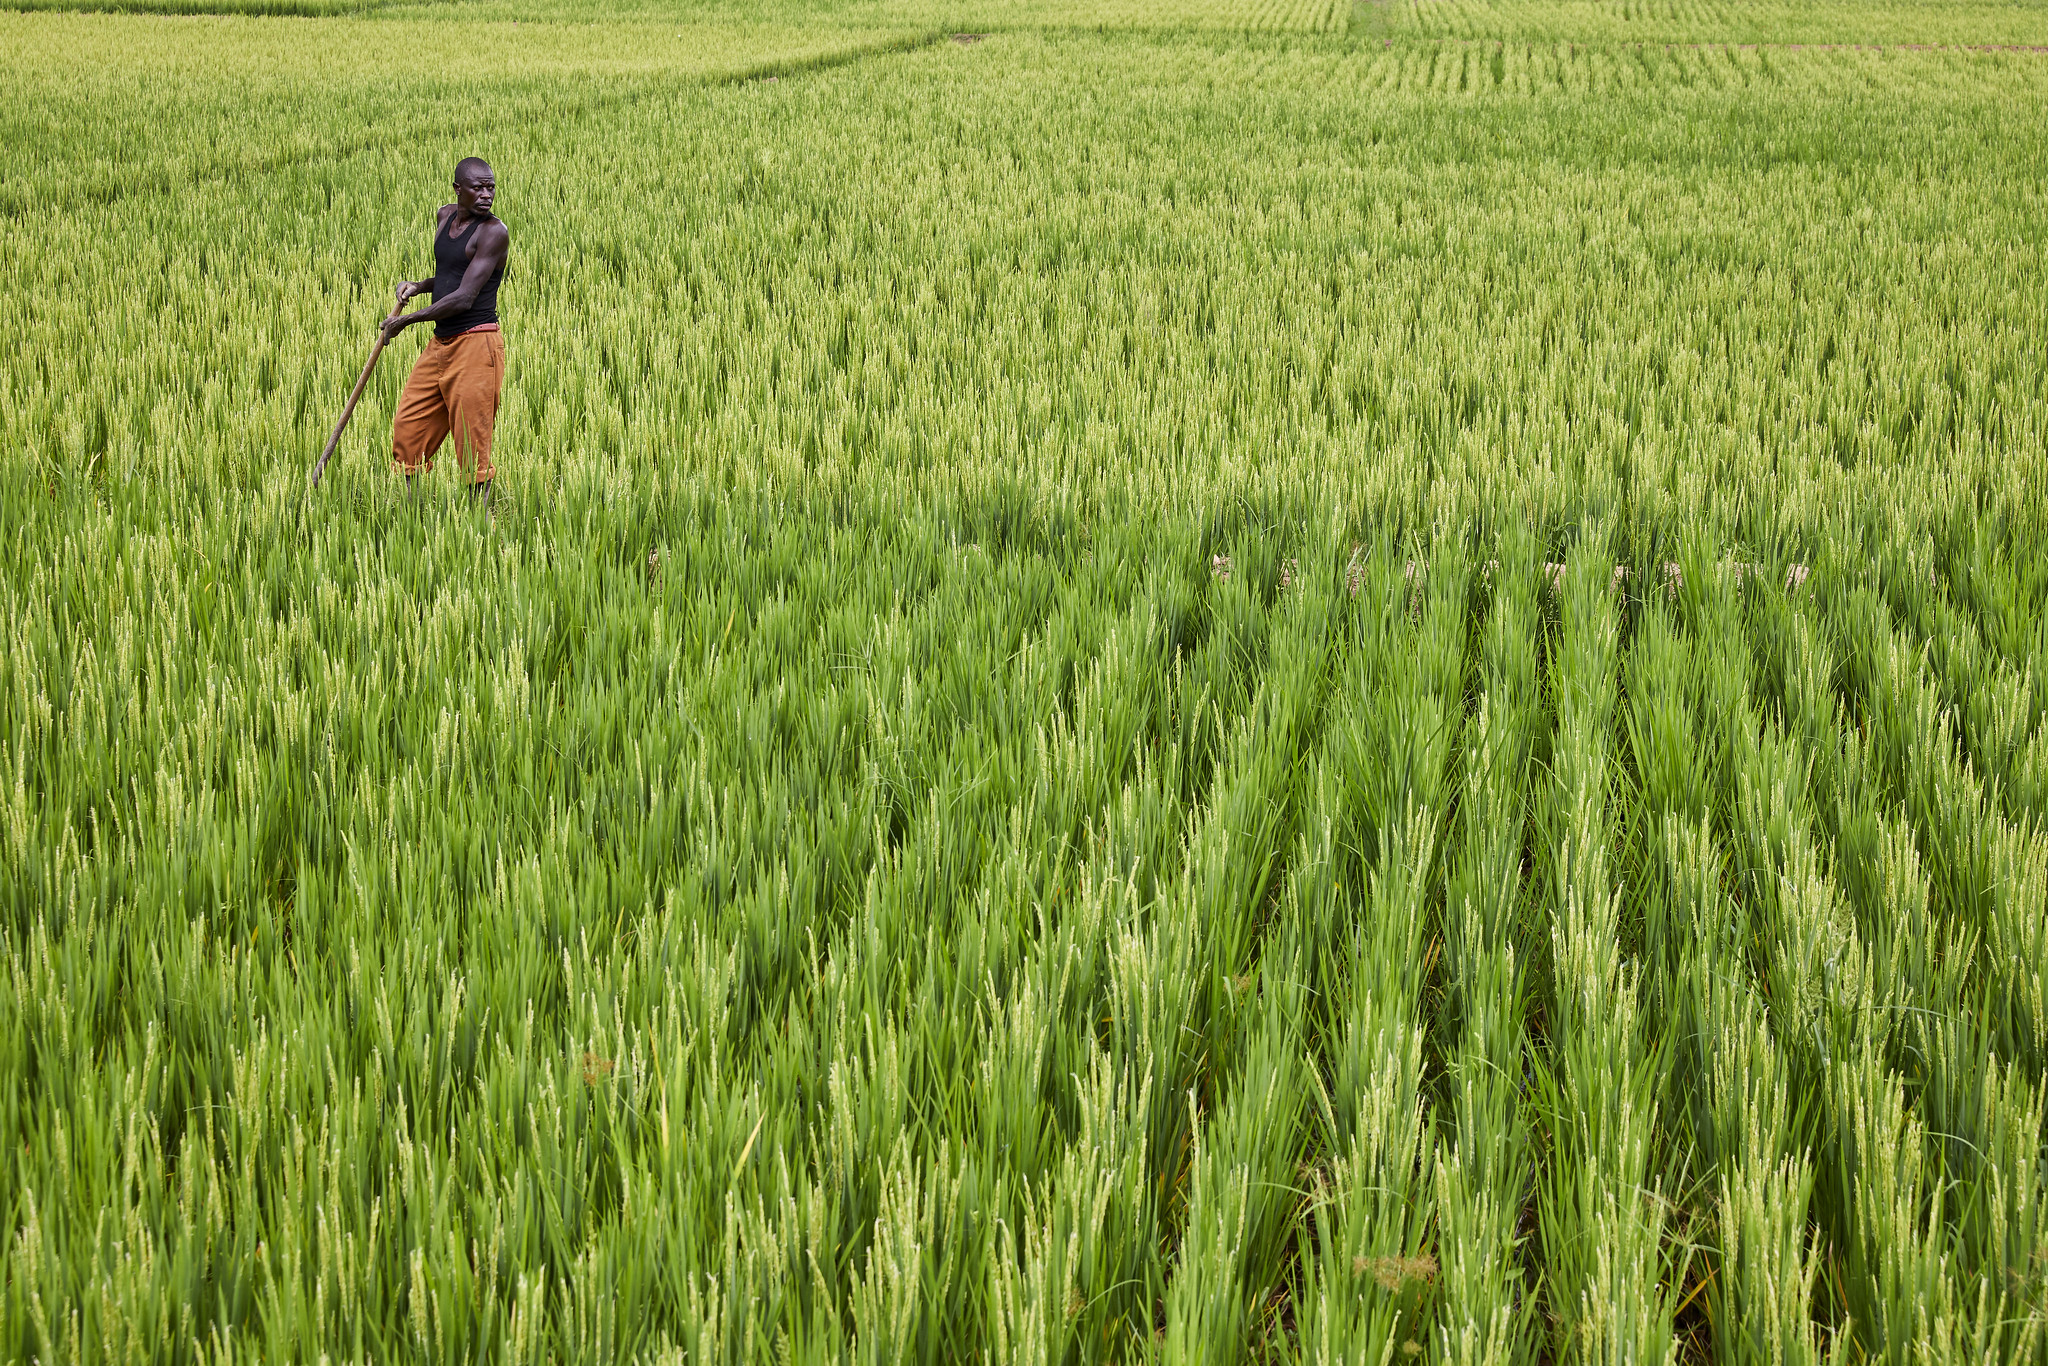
(453, 388)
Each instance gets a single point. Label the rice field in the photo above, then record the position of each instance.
(1152, 680)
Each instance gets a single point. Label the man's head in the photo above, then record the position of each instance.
(475, 187)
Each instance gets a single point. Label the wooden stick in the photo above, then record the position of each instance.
(350, 411)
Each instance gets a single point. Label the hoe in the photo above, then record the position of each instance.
(348, 412)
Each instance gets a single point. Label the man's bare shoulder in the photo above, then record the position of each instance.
(441, 214)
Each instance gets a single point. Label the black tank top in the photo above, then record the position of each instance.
(451, 262)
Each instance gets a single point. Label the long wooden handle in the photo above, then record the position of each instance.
(348, 412)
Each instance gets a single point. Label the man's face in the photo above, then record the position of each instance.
(475, 191)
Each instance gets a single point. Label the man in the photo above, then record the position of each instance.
(454, 384)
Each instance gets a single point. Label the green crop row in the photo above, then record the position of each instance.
(1846, 22)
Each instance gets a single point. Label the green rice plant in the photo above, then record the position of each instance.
(1370, 1281)
(1998, 705)
(1484, 1180)
(1999, 596)
(1898, 1285)
(1091, 1226)
(1910, 909)
(1755, 1137)
(1396, 712)
(1243, 1167)
(1242, 1185)
(1903, 1305)
(1601, 1211)
(1978, 860)
(1984, 1121)
(1021, 1090)
(1051, 1290)
(1731, 1087)
(1828, 1004)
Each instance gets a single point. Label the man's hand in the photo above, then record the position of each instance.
(408, 288)
(395, 324)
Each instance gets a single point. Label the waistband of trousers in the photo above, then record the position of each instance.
(467, 332)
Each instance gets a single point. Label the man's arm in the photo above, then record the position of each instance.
(490, 254)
